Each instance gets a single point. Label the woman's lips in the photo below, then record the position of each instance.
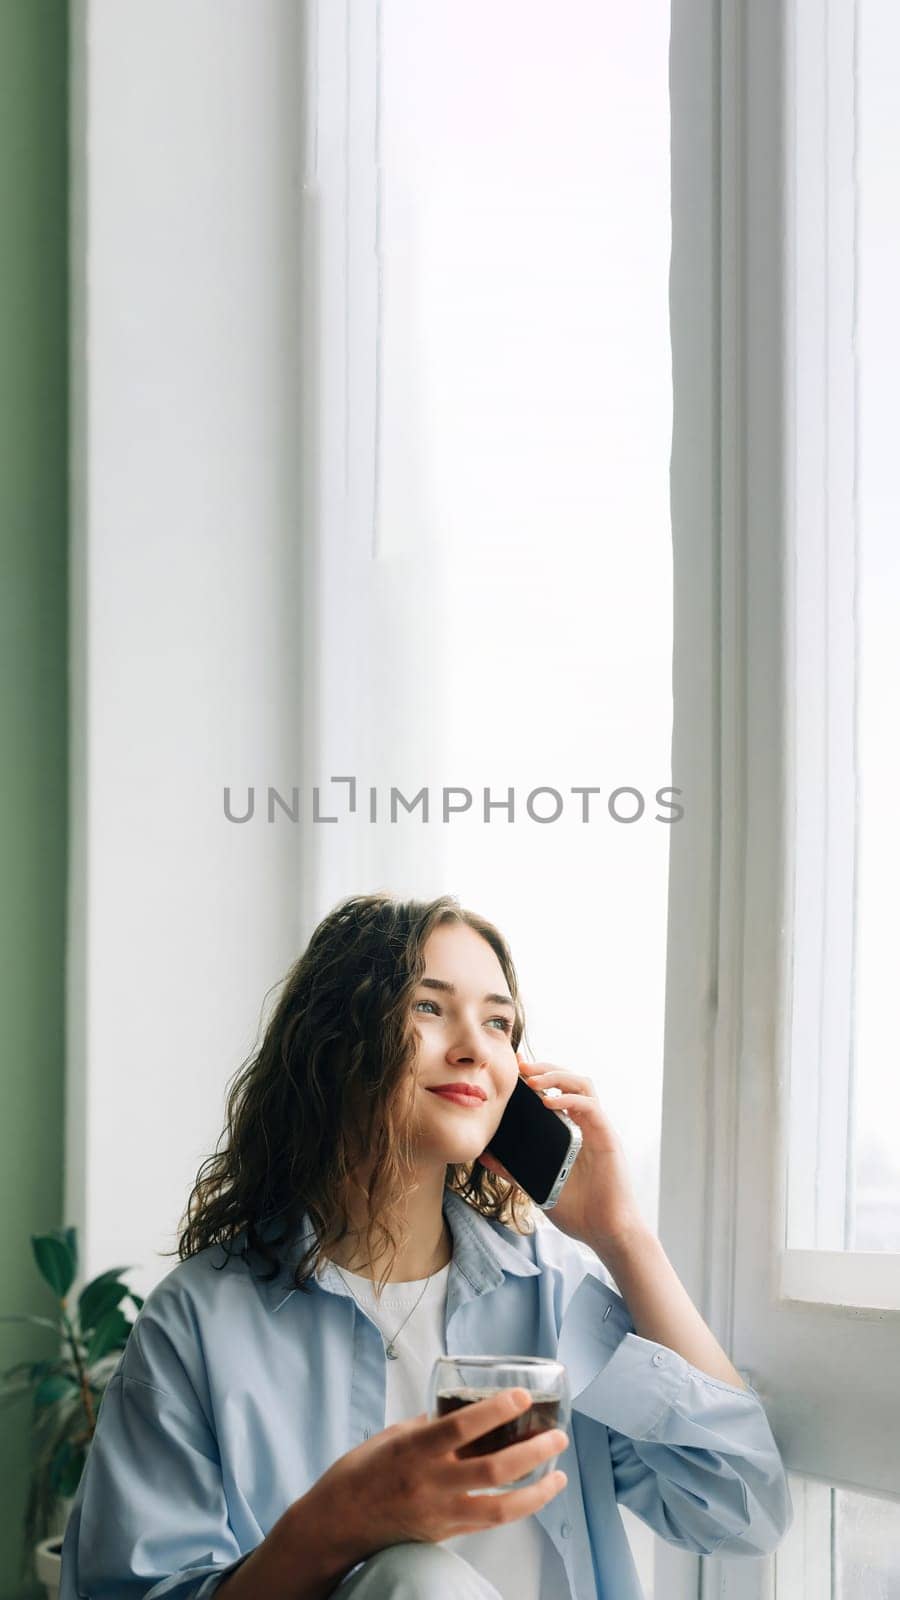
(457, 1097)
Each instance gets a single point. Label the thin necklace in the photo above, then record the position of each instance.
(389, 1351)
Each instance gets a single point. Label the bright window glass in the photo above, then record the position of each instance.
(524, 443)
(874, 1222)
(844, 1161)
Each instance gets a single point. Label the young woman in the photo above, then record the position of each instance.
(266, 1432)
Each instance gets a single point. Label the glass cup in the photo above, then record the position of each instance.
(463, 1380)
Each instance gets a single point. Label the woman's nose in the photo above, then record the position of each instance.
(466, 1036)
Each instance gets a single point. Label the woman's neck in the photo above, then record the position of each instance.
(426, 1251)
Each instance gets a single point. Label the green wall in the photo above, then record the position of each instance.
(33, 691)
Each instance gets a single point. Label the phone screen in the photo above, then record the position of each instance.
(533, 1142)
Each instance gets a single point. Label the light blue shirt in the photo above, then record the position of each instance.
(233, 1397)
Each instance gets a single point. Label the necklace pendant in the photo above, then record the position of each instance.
(391, 1353)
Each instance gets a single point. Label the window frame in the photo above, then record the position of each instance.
(821, 1369)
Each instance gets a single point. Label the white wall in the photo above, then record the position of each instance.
(186, 667)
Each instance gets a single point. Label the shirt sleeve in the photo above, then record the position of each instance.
(692, 1456)
(150, 1517)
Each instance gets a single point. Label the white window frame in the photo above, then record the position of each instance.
(825, 1371)
(819, 425)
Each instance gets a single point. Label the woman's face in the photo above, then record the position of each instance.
(464, 1037)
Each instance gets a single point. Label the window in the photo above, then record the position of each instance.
(493, 250)
(844, 1165)
(780, 1080)
(842, 1546)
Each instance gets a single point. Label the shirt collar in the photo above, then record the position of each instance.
(483, 1250)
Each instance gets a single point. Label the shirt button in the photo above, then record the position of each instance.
(365, 1433)
(658, 1359)
(566, 1529)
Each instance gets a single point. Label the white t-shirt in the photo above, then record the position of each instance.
(518, 1558)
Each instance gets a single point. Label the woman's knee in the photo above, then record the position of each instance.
(417, 1571)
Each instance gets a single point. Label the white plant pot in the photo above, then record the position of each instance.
(47, 1554)
(48, 1563)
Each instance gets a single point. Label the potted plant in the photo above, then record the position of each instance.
(66, 1391)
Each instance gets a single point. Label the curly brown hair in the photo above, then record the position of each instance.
(323, 1090)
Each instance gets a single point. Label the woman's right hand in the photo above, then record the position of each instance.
(408, 1484)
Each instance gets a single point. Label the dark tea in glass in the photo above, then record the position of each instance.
(465, 1380)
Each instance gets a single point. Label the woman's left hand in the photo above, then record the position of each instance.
(597, 1204)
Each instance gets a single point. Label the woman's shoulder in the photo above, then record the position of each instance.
(182, 1320)
(213, 1281)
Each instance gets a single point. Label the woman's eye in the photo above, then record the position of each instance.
(504, 1022)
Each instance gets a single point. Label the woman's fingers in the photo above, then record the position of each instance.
(469, 1422)
(559, 1075)
(486, 1511)
(504, 1467)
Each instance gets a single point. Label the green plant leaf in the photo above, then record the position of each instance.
(96, 1299)
(55, 1260)
(61, 1465)
(54, 1387)
(69, 1476)
(70, 1235)
(34, 1369)
(52, 1426)
(111, 1333)
(107, 1277)
(137, 1300)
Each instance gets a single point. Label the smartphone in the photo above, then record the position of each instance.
(536, 1144)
